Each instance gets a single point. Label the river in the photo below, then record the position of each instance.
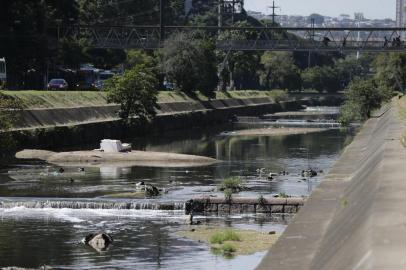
(34, 234)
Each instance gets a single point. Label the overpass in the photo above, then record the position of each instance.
(347, 39)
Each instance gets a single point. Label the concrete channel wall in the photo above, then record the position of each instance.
(84, 125)
(356, 218)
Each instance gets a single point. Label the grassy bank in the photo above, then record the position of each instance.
(64, 99)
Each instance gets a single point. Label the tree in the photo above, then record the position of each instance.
(190, 62)
(241, 69)
(362, 97)
(321, 79)
(351, 67)
(390, 71)
(138, 57)
(135, 91)
(279, 71)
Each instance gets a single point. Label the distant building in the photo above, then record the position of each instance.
(401, 14)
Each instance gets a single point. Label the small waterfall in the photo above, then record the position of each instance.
(92, 204)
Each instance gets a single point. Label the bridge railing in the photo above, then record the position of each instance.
(248, 38)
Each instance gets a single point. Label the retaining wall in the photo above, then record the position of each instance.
(356, 217)
(45, 127)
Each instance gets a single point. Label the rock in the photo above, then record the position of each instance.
(98, 241)
(150, 190)
(192, 206)
(272, 232)
(309, 173)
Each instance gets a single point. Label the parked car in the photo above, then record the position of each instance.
(57, 84)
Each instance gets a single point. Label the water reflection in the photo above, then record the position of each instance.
(241, 156)
(145, 239)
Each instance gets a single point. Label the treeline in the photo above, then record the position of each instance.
(29, 32)
(365, 94)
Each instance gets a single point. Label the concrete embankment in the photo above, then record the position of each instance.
(46, 127)
(356, 218)
(206, 205)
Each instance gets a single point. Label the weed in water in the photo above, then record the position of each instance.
(261, 200)
(232, 183)
(221, 237)
(228, 195)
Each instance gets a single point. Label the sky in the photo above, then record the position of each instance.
(372, 9)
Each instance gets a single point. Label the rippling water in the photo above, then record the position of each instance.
(146, 239)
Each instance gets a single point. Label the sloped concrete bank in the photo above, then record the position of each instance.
(73, 126)
(356, 218)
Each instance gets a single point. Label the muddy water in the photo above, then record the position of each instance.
(145, 239)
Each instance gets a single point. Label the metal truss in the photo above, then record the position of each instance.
(244, 38)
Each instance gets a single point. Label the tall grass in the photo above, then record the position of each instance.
(227, 235)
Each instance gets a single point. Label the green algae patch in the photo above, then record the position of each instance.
(226, 241)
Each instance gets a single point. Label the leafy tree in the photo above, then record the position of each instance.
(241, 69)
(190, 62)
(362, 97)
(390, 71)
(279, 71)
(321, 79)
(351, 67)
(135, 91)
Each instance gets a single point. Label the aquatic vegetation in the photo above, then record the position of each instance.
(261, 200)
(221, 237)
(232, 183)
(248, 242)
(227, 251)
(228, 195)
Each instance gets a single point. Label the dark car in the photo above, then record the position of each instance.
(57, 84)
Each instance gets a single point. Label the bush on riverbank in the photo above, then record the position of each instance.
(362, 97)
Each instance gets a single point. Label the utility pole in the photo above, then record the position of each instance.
(312, 34)
(161, 21)
(274, 15)
(220, 14)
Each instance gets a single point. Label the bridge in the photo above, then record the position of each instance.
(243, 38)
